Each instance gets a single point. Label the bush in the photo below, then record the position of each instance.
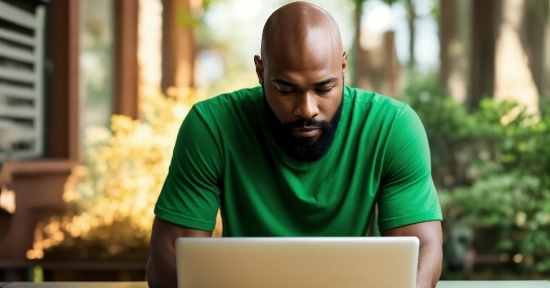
(491, 166)
(113, 196)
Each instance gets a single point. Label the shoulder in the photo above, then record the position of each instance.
(234, 113)
(362, 99)
(237, 101)
(375, 107)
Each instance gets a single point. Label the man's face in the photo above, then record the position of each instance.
(303, 92)
(303, 88)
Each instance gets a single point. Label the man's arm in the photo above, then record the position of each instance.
(161, 267)
(431, 254)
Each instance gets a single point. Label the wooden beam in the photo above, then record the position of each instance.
(62, 80)
(178, 44)
(125, 58)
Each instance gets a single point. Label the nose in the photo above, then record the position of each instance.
(306, 106)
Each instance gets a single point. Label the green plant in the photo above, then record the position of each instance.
(511, 184)
(492, 167)
(113, 196)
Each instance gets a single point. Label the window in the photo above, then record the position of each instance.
(21, 93)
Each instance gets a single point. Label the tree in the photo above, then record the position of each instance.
(381, 75)
(494, 48)
(535, 26)
(178, 43)
(455, 30)
(514, 77)
(411, 19)
(356, 49)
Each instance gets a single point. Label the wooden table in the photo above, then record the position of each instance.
(441, 284)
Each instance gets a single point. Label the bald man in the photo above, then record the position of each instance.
(300, 155)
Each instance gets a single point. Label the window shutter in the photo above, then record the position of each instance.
(21, 92)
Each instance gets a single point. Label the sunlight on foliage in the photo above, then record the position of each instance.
(111, 200)
(491, 167)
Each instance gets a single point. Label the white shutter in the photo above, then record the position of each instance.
(21, 93)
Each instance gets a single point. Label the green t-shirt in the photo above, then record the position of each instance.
(226, 157)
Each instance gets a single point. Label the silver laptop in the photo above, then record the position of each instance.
(297, 262)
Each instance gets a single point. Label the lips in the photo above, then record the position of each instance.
(306, 132)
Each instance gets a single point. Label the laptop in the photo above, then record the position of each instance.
(297, 262)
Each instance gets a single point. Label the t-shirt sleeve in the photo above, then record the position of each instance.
(407, 194)
(190, 195)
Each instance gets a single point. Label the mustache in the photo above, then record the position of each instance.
(309, 123)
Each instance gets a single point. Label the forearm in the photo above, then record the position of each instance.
(161, 267)
(429, 265)
(430, 256)
(165, 277)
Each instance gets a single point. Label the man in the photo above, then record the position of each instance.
(302, 155)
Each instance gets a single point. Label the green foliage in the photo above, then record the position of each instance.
(390, 2)
(360, 2)
(192, 19)
(492, 169)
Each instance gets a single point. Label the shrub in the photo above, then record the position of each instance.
(113, 196)
(491, 166)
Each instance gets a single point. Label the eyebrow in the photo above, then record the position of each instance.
(290, 84)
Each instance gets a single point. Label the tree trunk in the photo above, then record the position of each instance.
(454, 34)
(546, 77)
(178, 44)
(391, 83)
(535, 21)
(357, 51)
(485, 19)
(411, 18)
(513, 77)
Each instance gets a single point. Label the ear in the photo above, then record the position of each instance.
(344, 62)
(259, 68)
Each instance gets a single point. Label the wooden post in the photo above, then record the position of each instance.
(178, 43)
(62, 108)
(126, 60)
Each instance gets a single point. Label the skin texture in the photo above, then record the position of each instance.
(301, 70)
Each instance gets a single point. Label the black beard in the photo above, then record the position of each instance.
(303, 150)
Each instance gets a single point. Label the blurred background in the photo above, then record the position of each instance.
(92, 93)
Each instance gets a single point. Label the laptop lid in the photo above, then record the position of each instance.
(297, 262)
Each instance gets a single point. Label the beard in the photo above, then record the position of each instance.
(303, 149)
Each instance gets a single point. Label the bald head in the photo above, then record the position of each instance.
(301, 71)
(300, 29)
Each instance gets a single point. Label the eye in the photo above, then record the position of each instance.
(284, 92)
(324, 91)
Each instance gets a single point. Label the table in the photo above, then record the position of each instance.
(441, 284)
(493, 284)
(75, 285)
